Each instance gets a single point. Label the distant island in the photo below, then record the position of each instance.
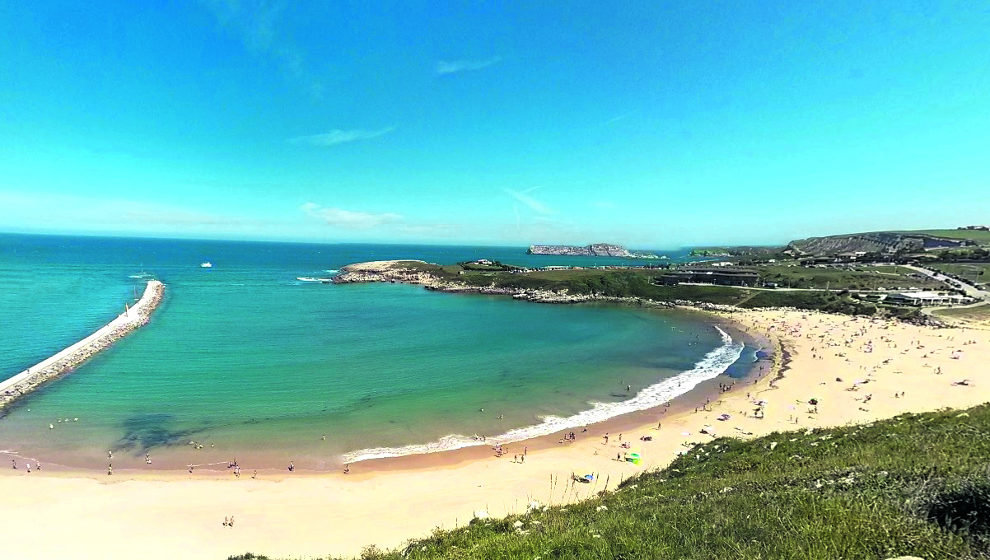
(710, 253)
(593, 250)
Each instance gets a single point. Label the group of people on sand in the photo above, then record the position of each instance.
(857, 338)
(13, 465)
(228, 521)
(520, 458)
(500, 450)
(570, 436)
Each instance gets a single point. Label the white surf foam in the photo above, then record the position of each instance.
(712, 365)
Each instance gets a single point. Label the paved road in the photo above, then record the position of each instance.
(970, 291)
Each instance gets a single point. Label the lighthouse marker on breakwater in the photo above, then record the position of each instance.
(67, 359)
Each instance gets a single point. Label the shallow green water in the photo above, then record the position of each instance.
(253, 364)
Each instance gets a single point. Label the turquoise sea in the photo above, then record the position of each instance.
(253, 364)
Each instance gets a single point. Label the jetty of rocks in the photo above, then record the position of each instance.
(68, 359)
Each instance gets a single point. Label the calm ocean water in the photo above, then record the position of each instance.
(250, 363)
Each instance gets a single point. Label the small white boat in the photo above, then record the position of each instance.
(312, 279)
(207, 264)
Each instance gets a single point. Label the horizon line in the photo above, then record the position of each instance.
(167, 237)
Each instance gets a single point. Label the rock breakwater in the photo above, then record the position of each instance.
(68, 359)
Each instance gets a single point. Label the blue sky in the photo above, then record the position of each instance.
(654, 124)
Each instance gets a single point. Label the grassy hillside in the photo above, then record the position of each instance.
(981, 237)
(638, 283)
(858, 277)
(914, 485)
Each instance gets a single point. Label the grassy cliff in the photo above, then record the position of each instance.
(914, 485)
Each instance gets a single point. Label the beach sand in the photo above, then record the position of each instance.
(856, 369)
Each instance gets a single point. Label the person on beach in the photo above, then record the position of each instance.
(292, 467)
(13, 464)
(225, 521)
(255, 475)
(231, 523)
(347, 468)
(110, 469)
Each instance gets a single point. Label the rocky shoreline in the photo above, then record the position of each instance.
(68, 359)
(389, 272)
(399, 272)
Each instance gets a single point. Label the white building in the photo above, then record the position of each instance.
(927, 299)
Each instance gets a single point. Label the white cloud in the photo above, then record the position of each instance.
(528, 201)
(349, 219)
(454, 66)
(337, 136)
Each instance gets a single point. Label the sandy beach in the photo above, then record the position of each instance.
(838, 370)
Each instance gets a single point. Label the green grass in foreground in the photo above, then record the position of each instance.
(914, 485)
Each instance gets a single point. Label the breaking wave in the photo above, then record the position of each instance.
(712, 365)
